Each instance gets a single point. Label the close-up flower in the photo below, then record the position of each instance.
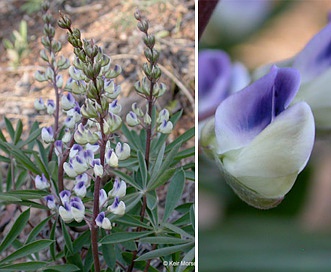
(118, 207)
(41, 182)
(119, 189)
(262, 147)
(47, 134)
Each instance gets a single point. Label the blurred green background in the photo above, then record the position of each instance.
(296, 235)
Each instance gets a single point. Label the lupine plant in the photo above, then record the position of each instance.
(96, 178)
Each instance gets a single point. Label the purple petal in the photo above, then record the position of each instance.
(214, 79)
(100, 217)
(315, 58)
(245, 114)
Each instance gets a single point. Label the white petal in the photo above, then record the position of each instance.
(270, 163)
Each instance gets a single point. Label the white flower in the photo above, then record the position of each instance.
(80, 189)
(102, 198)
(39, 104)
(118, 207)
(132, 119)
(68, 101)
(47, 134)
(41, 182)
(119, 189)
(122, 151)
(111, 158)
(165, 127)
(69, 170)
(103, 222)
(77, 209)
(65, 213)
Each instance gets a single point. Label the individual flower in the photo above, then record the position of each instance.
(65, 212)
(80, 189)
(114, 107)
(111, 158)
(118, 207)
(83, 177)
(50, 107)
(64, 196)
(39, 104)
(218, 78)
(58, 147)
(119, 189)
(122, 151)
(75, 150)
(103, 222)
(50, 201)
(69, 170)
(262, 143)
(102, 198)
(77, 209)
(67, 135)
(97, 167)
(163, 115)
(41, 182)
(47, 134)
(68, 101)
(132, 119)
(165, 127)
(79, 164)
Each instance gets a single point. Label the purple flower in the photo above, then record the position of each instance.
(118, 207)
(262, 143)
(218, 78)
(50, 201)
(102, 221)
(64, 196)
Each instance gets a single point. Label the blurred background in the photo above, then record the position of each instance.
(296, 235)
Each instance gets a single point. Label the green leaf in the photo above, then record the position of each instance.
(161, 179)
(4, 159)
(119, 237)
(33, 135)
(166, 240)
(151, 200)
(39, 163)
(35, 231)
(21, 178)
(108, 252)
(26, 266)
(132, 221)
(83, 240)
(4, 197)
(27, 250)
(190, 175)
(61, 268)
(10, 128)
(16, 229)
(188, 258)
(25, 160)
(192, 217)
(156, 167)
(166, 163)
(18, 133)
(127, 179)
(142, 168)
(182, 138)
(174, 193)
(52, 237)
(177, 230)
(189, 152)
(164, 251)
(132, 140)
(67, 238)
(28, 194)
(2, 137)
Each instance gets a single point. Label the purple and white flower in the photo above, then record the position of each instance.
(122, 151)
(47, 134)
(132, 119)
(80, 189)
(118, 207)
(39, 104)
(64, 196)
(262, 143)
(77, 209)
(66, 213)
(165, 127)
(41, 182)
(111, 158)
(50, 201)
(103, 199)
(68, 101)
(103, 222)
(119, 189)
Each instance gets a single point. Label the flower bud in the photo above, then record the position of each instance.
(50, 106)
(143, 25)
(67, 136)
(118, 207)
(68, 101)
(122, 151)
(163, 115)
(40, 76)
(84, 177)
(64, 22)
(39, 104)
(137, 110)
(43, 55)
(166, 127)
(114, 107)
(47, 134)
(49, 73)
(147, 119)
(63, 63)
(70, 122)
(114, 73)
(79, 165)
(131, 119)
(119, 189)
(58, 148)
(41, 182)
